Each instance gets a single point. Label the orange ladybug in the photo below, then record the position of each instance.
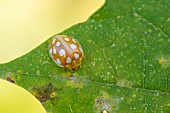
(66, 51)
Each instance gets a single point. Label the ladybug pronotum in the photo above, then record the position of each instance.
(66, 51)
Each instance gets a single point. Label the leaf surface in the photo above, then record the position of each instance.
(126, 66)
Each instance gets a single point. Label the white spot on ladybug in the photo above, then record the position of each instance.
(51, 50)
(81, 50)
(73, 40)
(54, 51)
(68, 60)
(62, 52)
(66, 39)
(59, 62)
(58, 44)
(53, 40)
(76, 56)
(73, 46)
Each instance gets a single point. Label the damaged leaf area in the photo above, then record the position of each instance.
(126, 66)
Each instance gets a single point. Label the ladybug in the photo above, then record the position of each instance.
(66, 51)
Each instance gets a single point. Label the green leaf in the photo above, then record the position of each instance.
(126, 66)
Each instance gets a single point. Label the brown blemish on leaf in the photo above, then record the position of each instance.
(45, 92)
(11, 77)
(10, 80)
(164, 62)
